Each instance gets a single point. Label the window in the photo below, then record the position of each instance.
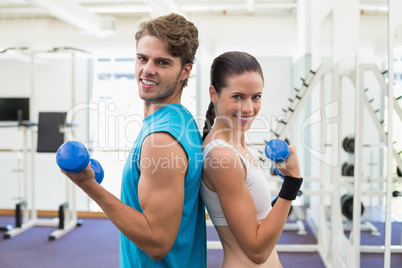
(117, 114)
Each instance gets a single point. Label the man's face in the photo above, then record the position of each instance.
(159, 74)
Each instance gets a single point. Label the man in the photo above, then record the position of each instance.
(160, 215)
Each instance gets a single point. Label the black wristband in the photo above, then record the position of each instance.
(290, 187)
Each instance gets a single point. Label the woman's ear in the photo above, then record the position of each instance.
(213, 95)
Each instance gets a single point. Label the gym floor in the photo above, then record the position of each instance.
(96, 244)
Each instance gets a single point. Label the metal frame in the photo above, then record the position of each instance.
(29, 213)
(361, 102)
(325, 188)
(332, 245)
(68, 219)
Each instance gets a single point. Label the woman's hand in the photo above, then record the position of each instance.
(291, 166)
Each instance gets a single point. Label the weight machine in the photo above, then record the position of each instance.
(332, 245)
(19, 215)
(26, 212)
(325, 188)
(363, 101)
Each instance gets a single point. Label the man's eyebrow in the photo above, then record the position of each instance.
(168, 60)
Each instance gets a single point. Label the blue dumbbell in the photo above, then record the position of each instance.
(73, 157)
(277, 151)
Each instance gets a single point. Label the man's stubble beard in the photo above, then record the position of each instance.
(165, 94)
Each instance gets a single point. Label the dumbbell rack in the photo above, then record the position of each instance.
(282, 129)
(284, 126)
(339, 247)
(362, 101)
(378, 122)
(373, 112)
(348, 144)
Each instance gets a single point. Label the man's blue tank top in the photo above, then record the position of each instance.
(189, 249)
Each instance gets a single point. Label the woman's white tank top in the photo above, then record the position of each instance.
(256, 183)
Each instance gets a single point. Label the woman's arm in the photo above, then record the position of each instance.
(257, 240)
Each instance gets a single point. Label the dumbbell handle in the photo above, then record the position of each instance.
(277, 151)
(73, 157)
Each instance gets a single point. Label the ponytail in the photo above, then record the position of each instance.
(209, 120)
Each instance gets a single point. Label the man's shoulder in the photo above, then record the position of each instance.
(177, 111)
(176, 120)
(176, 116)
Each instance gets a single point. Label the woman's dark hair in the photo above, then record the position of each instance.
(224, 66)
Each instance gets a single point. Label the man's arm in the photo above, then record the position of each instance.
(161, 194)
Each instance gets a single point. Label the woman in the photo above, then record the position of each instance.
(234, 188)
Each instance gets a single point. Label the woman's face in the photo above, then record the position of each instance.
(240, 102)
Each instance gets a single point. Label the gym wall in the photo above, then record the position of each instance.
(274, 40)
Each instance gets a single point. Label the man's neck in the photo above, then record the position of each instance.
(151, 107)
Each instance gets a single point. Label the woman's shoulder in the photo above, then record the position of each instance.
(217, 147)
(220, 156)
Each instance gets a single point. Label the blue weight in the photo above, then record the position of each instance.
(96, 166)
(73, 157)
(279, 173)
(277, 151)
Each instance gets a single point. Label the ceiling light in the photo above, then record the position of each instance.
(163, 7)
(76, 15)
